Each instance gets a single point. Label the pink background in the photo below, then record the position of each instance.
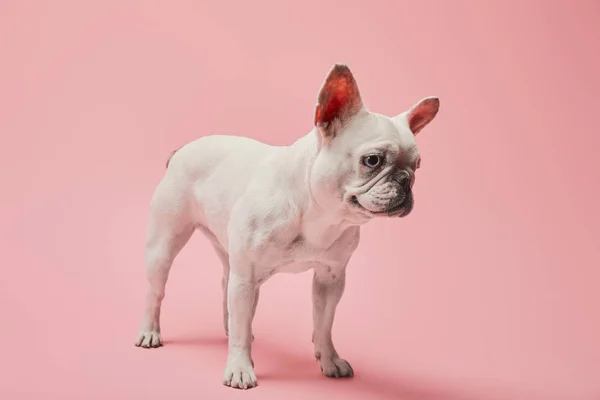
(496, 292)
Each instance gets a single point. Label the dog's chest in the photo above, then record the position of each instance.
(302, 253)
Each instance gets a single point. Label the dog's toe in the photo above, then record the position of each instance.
(149, 340)
(239, 376)
(337, 368)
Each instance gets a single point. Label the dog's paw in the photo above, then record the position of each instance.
(335, 367)
(239, 375)
(149, 339)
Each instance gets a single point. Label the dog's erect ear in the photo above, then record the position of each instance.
(339, 100)
(420, 114)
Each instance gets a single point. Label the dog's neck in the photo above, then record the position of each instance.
(326, 224)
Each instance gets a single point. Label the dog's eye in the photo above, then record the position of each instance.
(372, 161)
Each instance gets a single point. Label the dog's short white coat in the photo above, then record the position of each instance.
(270, 209)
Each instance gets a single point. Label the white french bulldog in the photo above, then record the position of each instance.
(272, 209)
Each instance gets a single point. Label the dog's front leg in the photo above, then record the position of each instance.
(327, 289)
(241, 295)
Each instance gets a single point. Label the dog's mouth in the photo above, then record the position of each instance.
(402, 209)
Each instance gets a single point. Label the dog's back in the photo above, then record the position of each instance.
(208, 175)
(202, 155)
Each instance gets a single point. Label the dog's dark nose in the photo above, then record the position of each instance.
(404, 180)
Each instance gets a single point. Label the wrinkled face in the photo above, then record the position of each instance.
(383, 168)
(367, 162)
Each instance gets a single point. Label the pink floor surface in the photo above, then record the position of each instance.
(490, 290)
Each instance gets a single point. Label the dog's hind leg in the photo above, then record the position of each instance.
(169, 229)
(224, 258)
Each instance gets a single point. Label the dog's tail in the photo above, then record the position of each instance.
(171, 156)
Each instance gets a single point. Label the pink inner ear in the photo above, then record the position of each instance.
(416, 121)
(422, 114)
(338, 98)
(339, 95)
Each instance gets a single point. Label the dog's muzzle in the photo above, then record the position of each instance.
(405, 205)
(405, 181)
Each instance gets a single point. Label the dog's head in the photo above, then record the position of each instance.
(366, 162)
